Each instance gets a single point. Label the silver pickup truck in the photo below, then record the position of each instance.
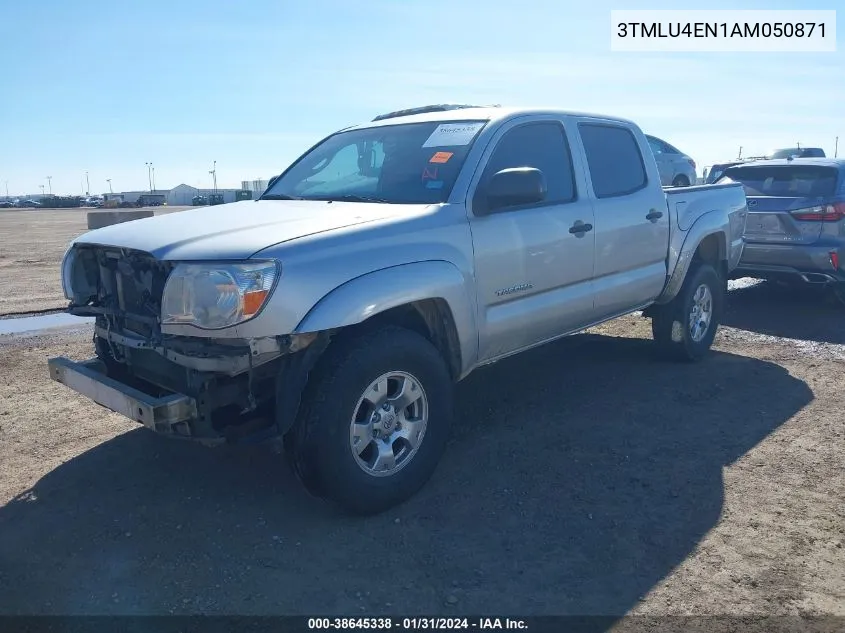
(335, 314)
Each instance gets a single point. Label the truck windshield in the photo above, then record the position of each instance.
(409, 163)
(793, 181)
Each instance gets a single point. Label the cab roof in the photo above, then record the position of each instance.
(476, 113)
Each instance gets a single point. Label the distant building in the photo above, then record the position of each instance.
(133, 196)
(257, 187)
(183, 194)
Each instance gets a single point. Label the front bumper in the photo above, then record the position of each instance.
(169, 415)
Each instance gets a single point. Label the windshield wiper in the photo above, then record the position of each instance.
(278, 196)
(353, 198)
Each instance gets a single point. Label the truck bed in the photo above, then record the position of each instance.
(688, 204)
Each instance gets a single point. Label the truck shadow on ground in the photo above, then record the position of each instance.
(579, 476)
(799, 312)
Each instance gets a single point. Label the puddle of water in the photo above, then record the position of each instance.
(41, 322)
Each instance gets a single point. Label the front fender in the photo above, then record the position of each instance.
(363, 297)
(710, 223)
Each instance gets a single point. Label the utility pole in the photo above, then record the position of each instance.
(50, 184)
(87, 185)
(213, 173)
(108, 180)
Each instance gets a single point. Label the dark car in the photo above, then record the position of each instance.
(795, 228)
(5, 204)
(717, 170)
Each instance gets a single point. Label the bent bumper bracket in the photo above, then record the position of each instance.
(89, 379)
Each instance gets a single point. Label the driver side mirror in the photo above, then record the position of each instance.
(513, 187)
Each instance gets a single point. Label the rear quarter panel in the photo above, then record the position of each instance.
(698, 212)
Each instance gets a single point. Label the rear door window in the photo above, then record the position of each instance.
(656, 146)
(790, 181)
(614, 159)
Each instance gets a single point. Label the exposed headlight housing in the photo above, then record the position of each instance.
(217, 296)
(67, 271)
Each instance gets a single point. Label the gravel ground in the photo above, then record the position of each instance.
(32, 243)
(585, 477)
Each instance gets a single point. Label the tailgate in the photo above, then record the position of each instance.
(773, 220)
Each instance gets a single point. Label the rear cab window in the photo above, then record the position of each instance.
(792, 181)
(614, 159)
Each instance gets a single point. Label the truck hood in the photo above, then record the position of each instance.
(237, 230)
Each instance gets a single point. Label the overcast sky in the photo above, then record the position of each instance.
(105, 87)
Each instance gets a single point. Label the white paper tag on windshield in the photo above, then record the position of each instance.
(451, 134)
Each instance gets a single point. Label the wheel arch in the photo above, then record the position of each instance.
(706, 241)
(428, 297)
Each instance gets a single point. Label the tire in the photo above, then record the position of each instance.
(680, 181)
(670, 324)
(320, 446)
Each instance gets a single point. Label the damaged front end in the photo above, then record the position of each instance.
(213, 390)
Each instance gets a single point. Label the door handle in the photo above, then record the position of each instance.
(654, 214)
(580, 228)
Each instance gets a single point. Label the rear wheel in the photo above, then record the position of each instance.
(374, 421)
(684, 329)
(680, 181)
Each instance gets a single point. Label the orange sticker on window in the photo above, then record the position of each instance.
(441, 157)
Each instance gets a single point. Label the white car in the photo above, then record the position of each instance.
(676, 168)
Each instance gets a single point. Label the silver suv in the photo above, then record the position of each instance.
(795, 229)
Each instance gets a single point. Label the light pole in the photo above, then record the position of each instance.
(154, 178)
(149, 175)
(42, 190)
(7, 190)
(50, 184)
(87, 185)
(213, 173)
(108, 180)
(835, 154)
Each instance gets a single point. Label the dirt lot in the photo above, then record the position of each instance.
(584, 478)
(32, 242)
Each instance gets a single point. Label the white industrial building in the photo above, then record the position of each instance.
(183, 195)
(257, 187)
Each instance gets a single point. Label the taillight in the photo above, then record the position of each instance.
(822, 213)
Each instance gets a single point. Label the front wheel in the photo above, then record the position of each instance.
(684, 329)
(374, 420)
